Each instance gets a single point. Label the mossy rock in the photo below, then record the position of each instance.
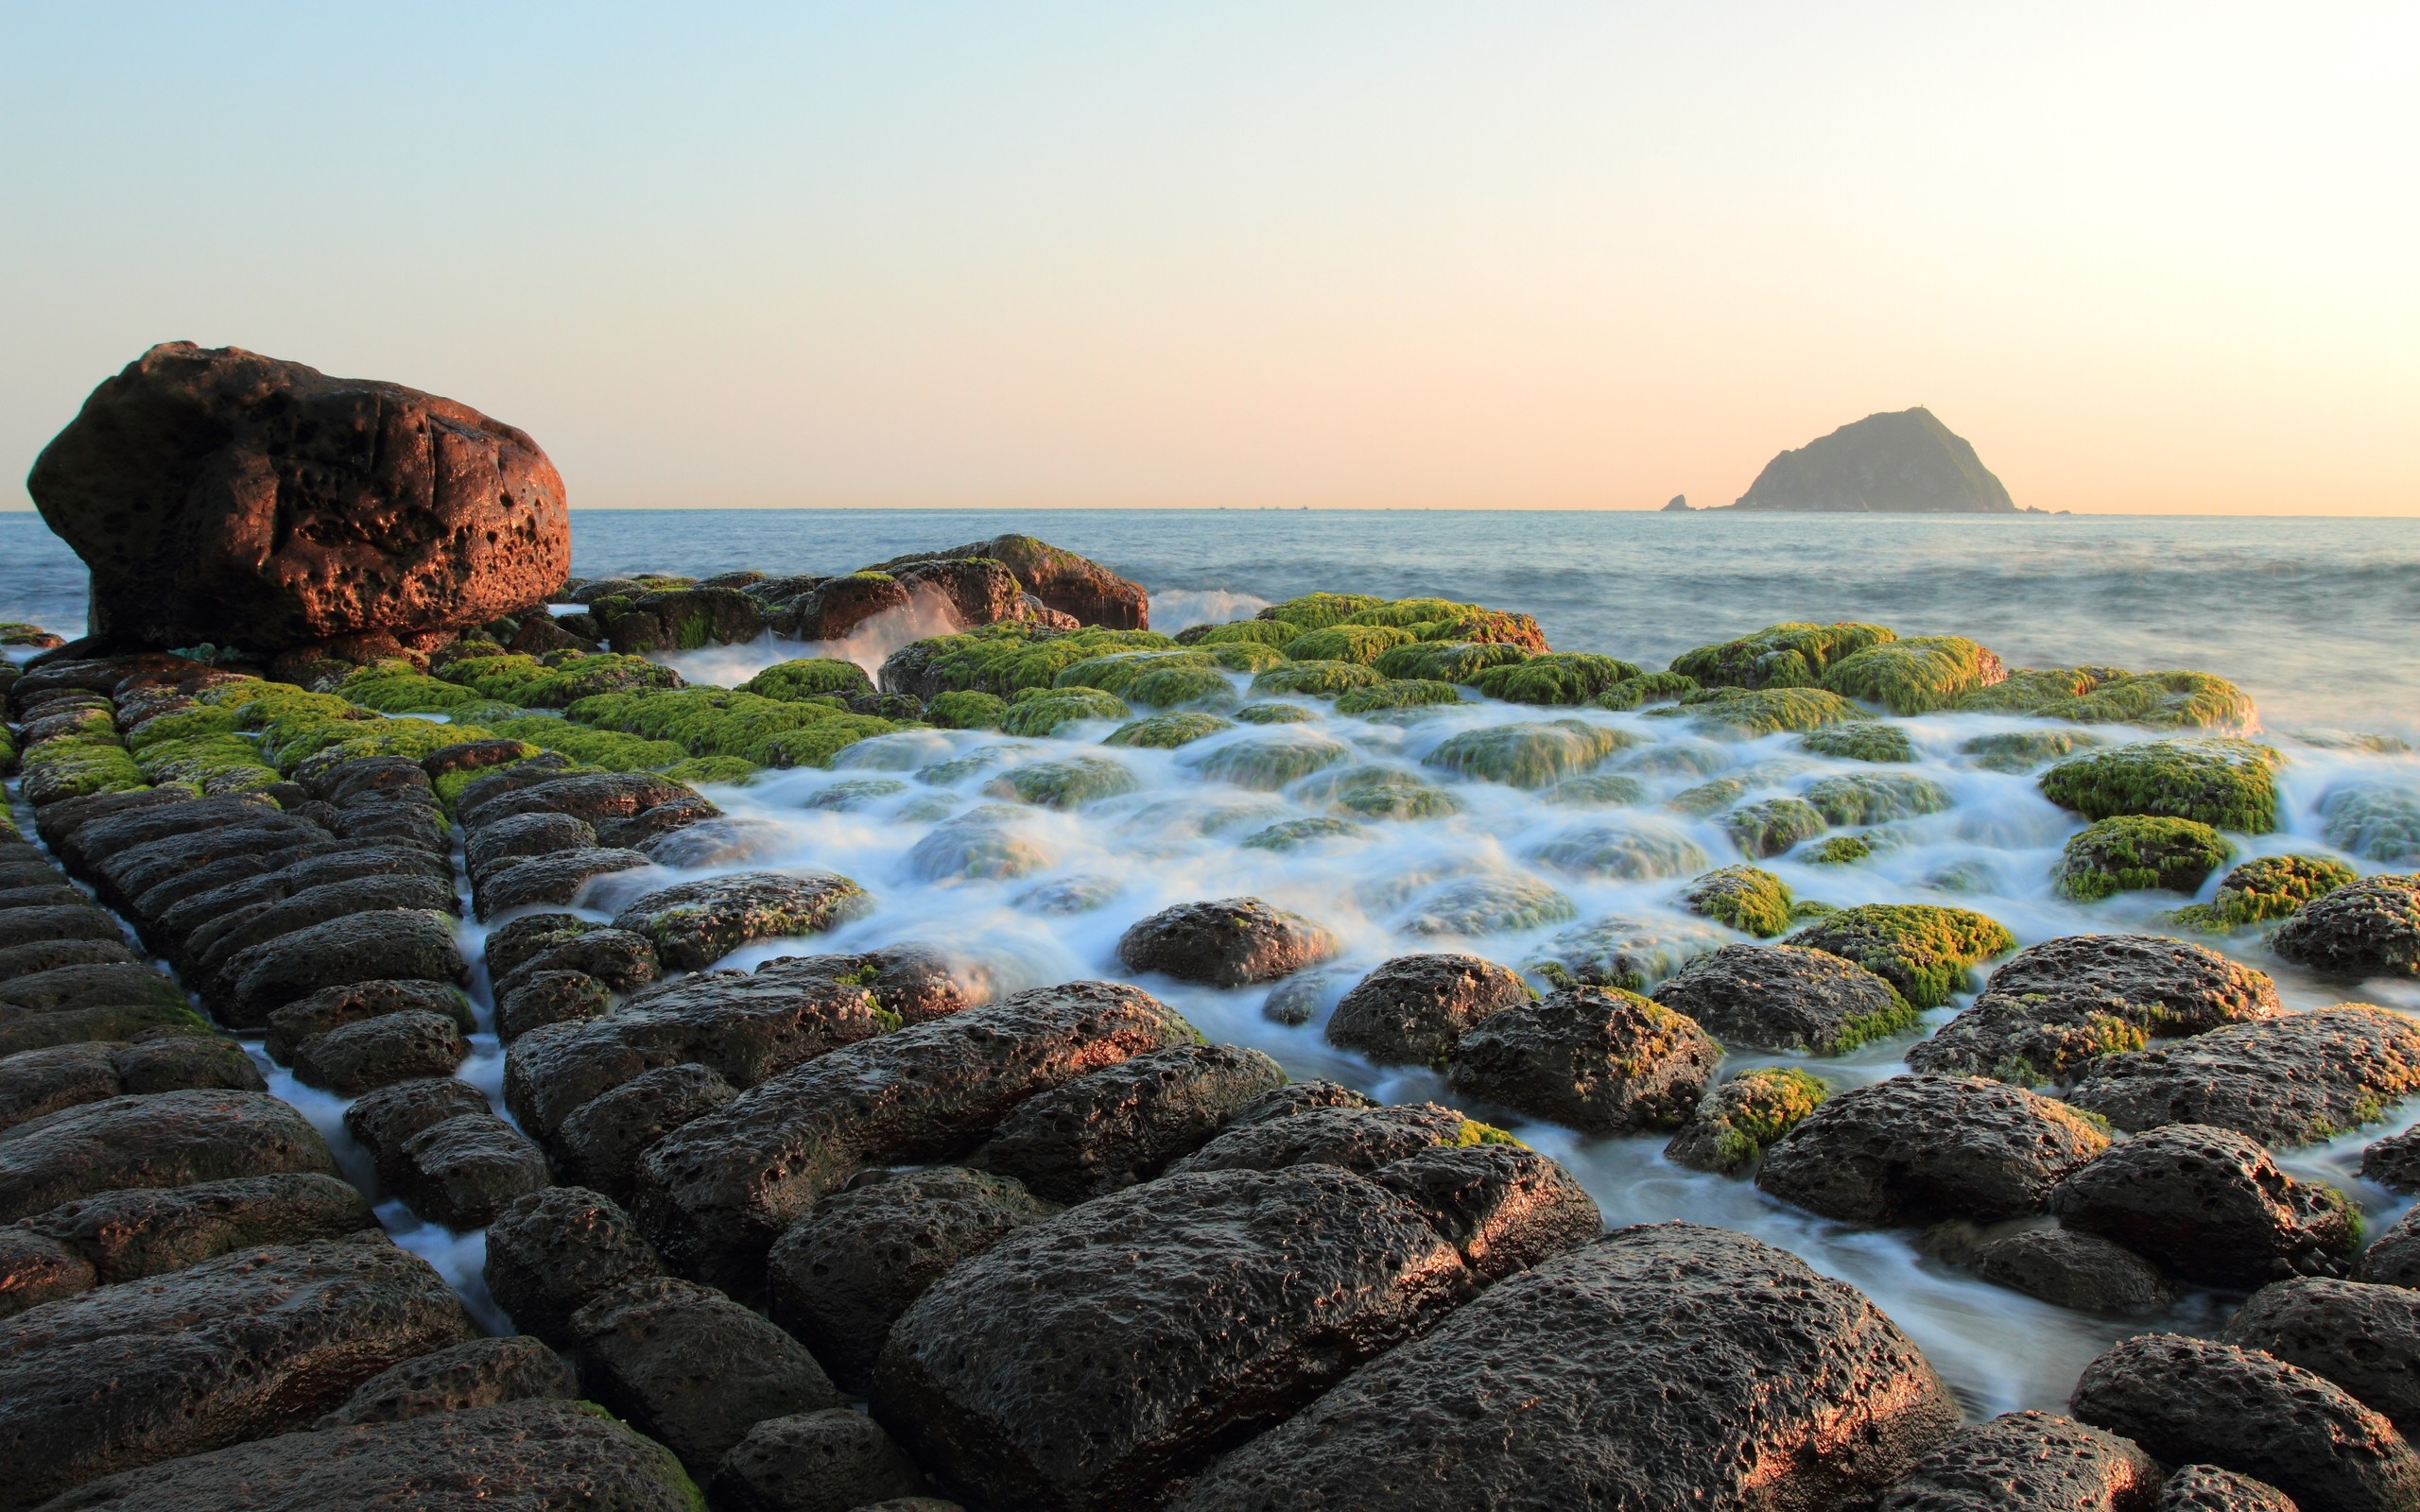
(1875, 797)
(2224, 783)
(852, 794)
(397, 688)
(1557, 678)
(1633, 954)
(1380, 793)
(1403, 614)
(1275, 714)
(215, 763)
(1708, 799)
(1292, 834)
(1068, 783)
(1271, 760)
(728, 770)
(1116, 670)
(1652, 687)
(606, 749)
(1923, 950)
(1245, 655)
(965, 708)
(1008, 657)
(1041, 714)
(1183, 687)
(2095, 696)
(1773, 826)
(1917, 675)
(1397, 693)
(1473, 907)
(1320, 680)
(726, 722)
(809, 678)
(1790, 655)
(1629, 849)
(77, 767)
(1270, 633)
(1527, 755)
(1598, 790)
(2138, 853)
(1360, 643)
(1493, 624)
(816, 745)
(2026, 750)
(1749, 899)
(1742, 1118)
(1838, 850)
(2266, 888)
(1753, 712)
(1168, 731)
(559, 682)
(1866, 741)
(2373, 820)
(975, 763)
(1449, 660)
(186, 724)
(1317, 611)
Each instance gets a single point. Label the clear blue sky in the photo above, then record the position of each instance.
(2145, 256)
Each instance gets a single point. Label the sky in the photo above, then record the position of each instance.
(2147, 257)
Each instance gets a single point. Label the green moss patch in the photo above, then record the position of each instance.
(1527, 755)
(1319, 680)
(1449, 660)
(1380, 793)
(2376, 821)
(1292, 834)
(1917, 675)
(1838, 850)
(809, 678)
(1739, 1120)
(2091, 695)
(2266, 888)
(1790, 655)
(1347, 643)
(1653, 687)
(1275, 714)
(1749, 899)
(2228, 783)
(1168, 731)
(965, 708)
(1769, 711)
(1396, 692)
(1562, 678)
(2026, 750)
(1042, 713)
(1773, 826)
(1923, 951)
(1875, 797)
(2135, 852)
(1865, 741)
(1270, 760)
(1270, 633)
(1068, 783)
(1317, 611)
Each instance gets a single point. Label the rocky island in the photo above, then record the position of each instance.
(385, 881)
(1901, 462)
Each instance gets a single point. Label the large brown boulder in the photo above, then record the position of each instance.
(220, 496)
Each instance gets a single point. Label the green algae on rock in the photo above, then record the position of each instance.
(2265, 888)
(2025, 750)
(1397, 693)
(1317, 611)
(1317, 678)
(1380, 793)
(1790, 655)
(1598, 790)
(1168, 731)
(1271, 634)
(1875, 797)
(811, 676)
(1271, 760)
(1527, 755)
(1923, 950)
(966, 709)
(1626, 848)
(1838, 850)
(2373, 820)
(1472, 907)
(1554, 678)
(2135, 852)
(1292, 834)
(2224, 783)
(1653, 687)
(1768, 711)
(1773, 826)
(1068, 783)
(1447, 661)
(1275, 714)
(1346, 643)
(1917, 675)
(1749, 899)
(1870, 740)
(1037, 712)
(1003, 658)
(2097, 695)
(1739, 1120)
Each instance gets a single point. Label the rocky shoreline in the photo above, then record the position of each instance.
(856, 1229)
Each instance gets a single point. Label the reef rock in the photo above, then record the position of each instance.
(222, 496)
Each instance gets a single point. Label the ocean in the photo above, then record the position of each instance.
(2316, 619)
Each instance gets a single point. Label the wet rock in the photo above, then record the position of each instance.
(2393, 1257)
(2070, 1268)
(334, 1007)
(35, 1268)
(522, 835)
(385, 1120)
(1317, 1270)
(461, 1171)
(830, 1461)
(44, 1081)
(1071, 584)
(2367, 928)
(1798, 1393)
(1786, 997)
(84, 987)
(691, 1367)
(251, 1344)
(1412, 1011)
(537, 1455)
(167, 1139)
(2392, 1162)
(2027, 1461)
(747, 1028)
(2364, 1337)
(1298, 1097)
(1353, 1135)
(36, 926)
(554, 879)
(397, 945)
(2211, 1205)
(1125, 1123)
(1229, 942)
(263, 906)
(618, 958)
(591, 797)
(551, 1252)
(536, 999)
(842, 1275)
(2209, 1488)
(600, 1142)
(719, 1190)
(696, 923)
(2285, 1081)
(518, 941)
(2056, 1007)
(482, 1373)
(1597, 1058)
(1918, 1147)
(1735, 1122)
(2191, 1401)
(132, 872)
(1923, 950)
(1505, 1207)
(128, 1234)
(354, 1057)
(43, 955)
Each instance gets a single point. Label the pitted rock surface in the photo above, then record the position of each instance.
(2289, 1080)
(1598, 1059)
(2362, 1336)
(1125, 1123)
(2211, 1205)
(1918, 1147)
(1782, 997)
(2027, 1461)
(1412, 1011)
(1226, 943)
(166, 1139)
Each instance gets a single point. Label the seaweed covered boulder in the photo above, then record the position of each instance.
(1923, 951)
(2265, 888)
(1317, 1270)
(1746, 714)
(1786, 997)
(222, 496)
(1527, 755)
(2092, 695)
(2197, 1401)
(2221, 782)
(1798, 1393)
(1915, 675)
(2287, 1080)
(694, 924)
(2367, 928)
(1918, 1147)
(1792, 655)
(1598, 1059)
(2134, 853)
(1737, 1120)
(1749, 899)
(2211, 1205)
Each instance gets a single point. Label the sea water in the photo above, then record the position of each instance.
(2315, 619)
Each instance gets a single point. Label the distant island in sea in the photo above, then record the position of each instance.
(1901, 462)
